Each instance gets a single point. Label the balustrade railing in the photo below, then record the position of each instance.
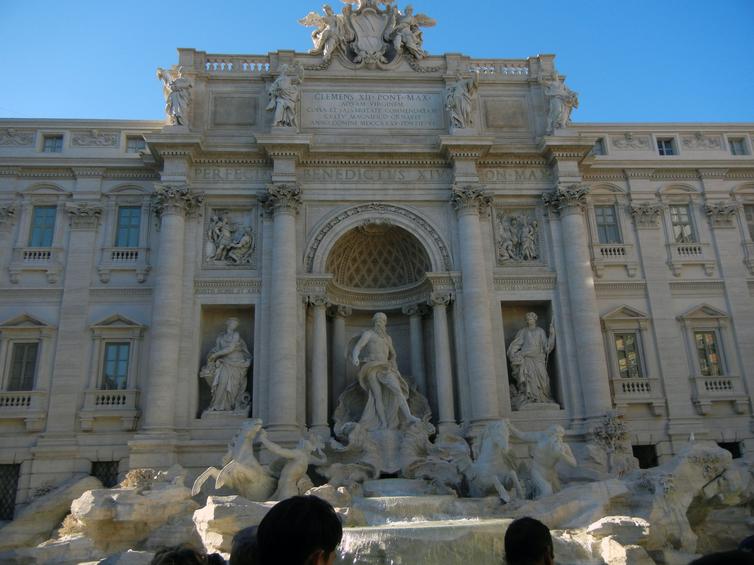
(240, 64)
(34, 255)
(22, 400)
(500, 68)
(104, 400)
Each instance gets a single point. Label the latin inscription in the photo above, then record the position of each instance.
(231, 174)
(346, 174)
(367, 110)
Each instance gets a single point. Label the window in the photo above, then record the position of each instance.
(23, 366)
(106, 472)
(607, 224)
(627, 352)
(749, 213)
(599, 147)
(665, 146)
(115, 367)
(8, 487)
(733, 446)
(680, 218)
(737, 146)
(52, 144)
(42, 226)
(129, 222)
(646, 454)
(135, 144)
(708, 354)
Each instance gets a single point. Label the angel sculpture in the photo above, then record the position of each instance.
(332, 30)
(284, 95)
(241, 471)
(360, 4)
(177, 91)
(404, 32)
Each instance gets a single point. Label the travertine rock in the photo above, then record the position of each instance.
(223, 516)
(33, 524)
(338, 497)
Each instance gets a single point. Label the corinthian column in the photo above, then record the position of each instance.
(339, 314)
(171, 203)
(414, 313)
(443, 375)
(469, 201)
(318, 389)
(569, 201)
(284, 200)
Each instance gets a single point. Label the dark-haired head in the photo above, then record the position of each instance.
(183, 554)
(736, 557)
(528, 542)
(302, 530)
(244, 548)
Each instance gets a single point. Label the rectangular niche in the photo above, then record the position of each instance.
(212, 325)
(514, 320)
(230, 238)
(518, 236)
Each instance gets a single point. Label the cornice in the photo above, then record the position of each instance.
(524, 282)
(228, 286)
(459, 147)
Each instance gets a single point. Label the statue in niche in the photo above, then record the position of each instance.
(562, 101)
(387, 402)
(517, 238)
(528, 354)
(223, 247)
(225, 371)
(458, 98)
(284, 94)
(549, 450)
(293, 479)
(177, 91)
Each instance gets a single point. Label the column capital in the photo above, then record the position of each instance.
(282, 198)
(414, 310)
(646, 214)
(567, 198)
(317, 300)
(722, 214)
(440, 299)
(470, 198)
(175, 199)
(84, 215)
(7, 215)
(340, 311)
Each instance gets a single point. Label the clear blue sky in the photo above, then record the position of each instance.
(630, 60)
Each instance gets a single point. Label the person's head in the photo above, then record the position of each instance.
(302, 530)
(231, 324)
(531, 319)
(244, 547)
(183, 554)
(528, 542)
(736, 557)
(379, 320)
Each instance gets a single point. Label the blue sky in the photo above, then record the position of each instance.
(630, 60)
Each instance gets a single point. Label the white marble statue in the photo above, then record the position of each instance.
(403, 30)
(331, 31)
(528, 354)
(293, 479)
(284, 96)
(241, 471)
(373, 354)
(177, 91)
(562, 101)
(458, 99)
(549, 450)
(226, 368)
(493, 470)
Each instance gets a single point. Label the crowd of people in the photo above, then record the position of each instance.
(305, 530)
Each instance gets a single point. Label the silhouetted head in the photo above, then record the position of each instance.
(244, 547)
(736, 557)
(183, 554)
(302, 530)
(528, 542)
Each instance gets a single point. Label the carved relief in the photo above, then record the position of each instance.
(630, 142)
(721, 214)
(646, 214)
(368, 35)
(12, 136)
(517, 236)
(95, 138)
(229, 240)
(699, 141)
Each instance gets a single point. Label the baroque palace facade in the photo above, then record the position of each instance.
(296, 194)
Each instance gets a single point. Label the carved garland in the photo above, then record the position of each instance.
(376, 208)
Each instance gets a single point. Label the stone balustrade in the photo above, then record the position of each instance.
(108, 404)
(237, 64)
(27, 405)
(500, 68)
(639, 390)
(721, 388)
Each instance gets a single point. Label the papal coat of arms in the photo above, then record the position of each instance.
(368, 34)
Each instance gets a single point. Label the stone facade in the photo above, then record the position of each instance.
(125, 246)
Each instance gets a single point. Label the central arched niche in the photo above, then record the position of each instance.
(378, 256)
